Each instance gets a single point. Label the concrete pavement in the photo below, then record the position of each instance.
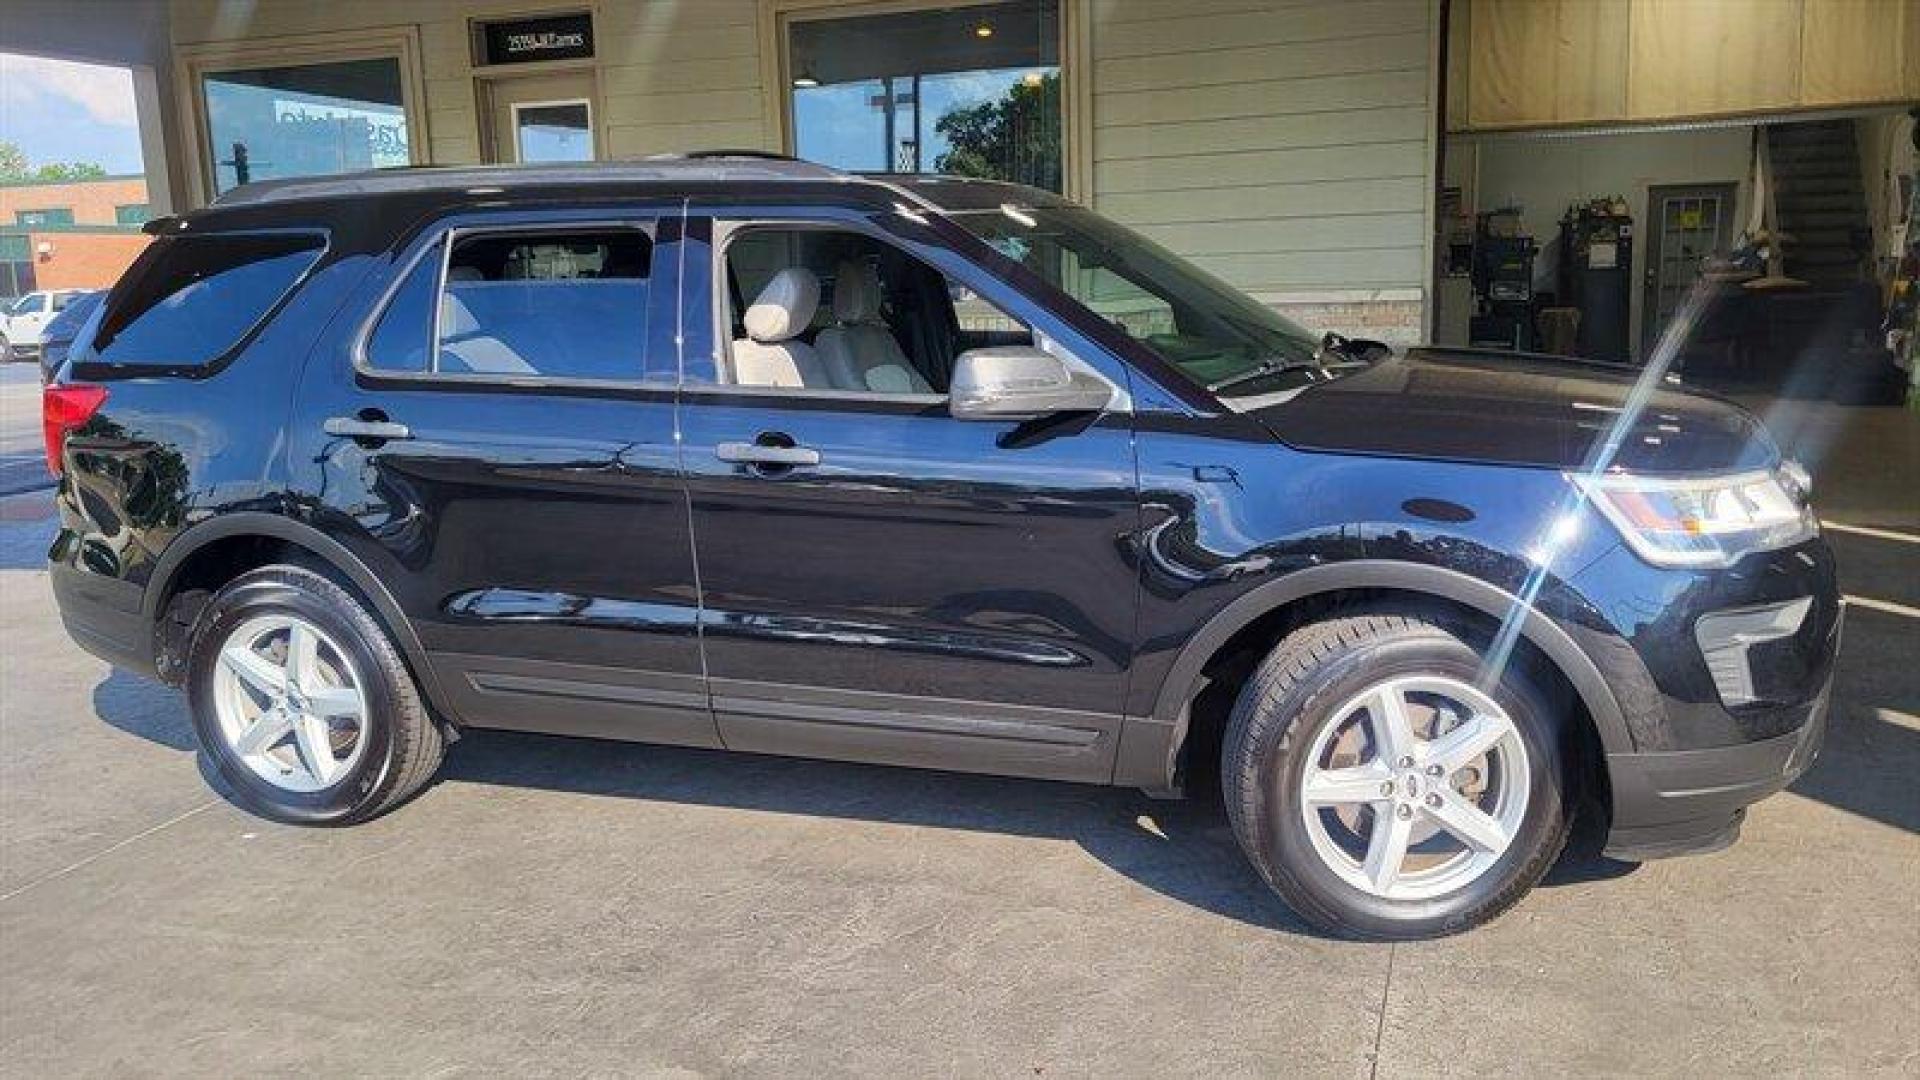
(23, 455)
(561, 907)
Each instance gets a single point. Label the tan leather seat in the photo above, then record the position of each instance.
(770, 354)
(859, 351)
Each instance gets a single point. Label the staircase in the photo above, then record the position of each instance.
(1819, 202)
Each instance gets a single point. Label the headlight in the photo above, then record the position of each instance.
(1706, 521)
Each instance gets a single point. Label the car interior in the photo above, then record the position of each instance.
(840, 311)
(566, 306)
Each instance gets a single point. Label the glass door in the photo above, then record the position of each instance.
(543, 118)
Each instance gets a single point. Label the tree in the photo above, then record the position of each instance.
(13, 163)
(56, 172)
(1016, 138)
(14, 168)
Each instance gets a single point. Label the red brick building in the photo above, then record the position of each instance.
(73, 235)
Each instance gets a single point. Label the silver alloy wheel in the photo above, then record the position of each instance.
(1416, 788)
(289, 703)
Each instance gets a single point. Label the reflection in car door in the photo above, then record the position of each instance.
(929, 591)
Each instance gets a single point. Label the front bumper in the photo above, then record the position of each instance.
(1681, 802)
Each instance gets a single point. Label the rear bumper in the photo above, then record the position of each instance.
(105, 617)
(1681, 802)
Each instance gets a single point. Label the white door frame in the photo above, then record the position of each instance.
(513, 122)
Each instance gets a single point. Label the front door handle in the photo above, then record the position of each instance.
(741, 453)
(353, 427)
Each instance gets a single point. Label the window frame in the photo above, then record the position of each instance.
(514, 109)
(725, 230)
(400, 44)
(441, 238)
(218, 362)
(1076, 73)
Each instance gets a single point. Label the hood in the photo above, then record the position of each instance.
(1514, 409)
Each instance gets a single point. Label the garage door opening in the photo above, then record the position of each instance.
(1782, 233)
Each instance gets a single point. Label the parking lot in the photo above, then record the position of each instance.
(556, 906)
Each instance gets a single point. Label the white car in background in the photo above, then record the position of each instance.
(25, 319)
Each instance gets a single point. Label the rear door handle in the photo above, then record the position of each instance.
(741, 453)
(352, 427)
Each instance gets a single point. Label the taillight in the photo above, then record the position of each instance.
(64, 407)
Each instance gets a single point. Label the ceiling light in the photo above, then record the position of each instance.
(805, 82)
(984, 30)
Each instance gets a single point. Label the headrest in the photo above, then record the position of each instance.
(465, 273)
(785, 307)
(856, 292)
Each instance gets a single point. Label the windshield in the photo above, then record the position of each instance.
(1212, 333)
(26, 304)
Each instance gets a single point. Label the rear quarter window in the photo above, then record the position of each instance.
(189, 300)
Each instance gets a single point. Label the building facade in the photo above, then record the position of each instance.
(1320, 154)
(76, 234)
(1287, 150)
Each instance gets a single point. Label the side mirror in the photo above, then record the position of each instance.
(1014, 382)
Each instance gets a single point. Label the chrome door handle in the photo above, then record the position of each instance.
(352, 427)
(741, 453)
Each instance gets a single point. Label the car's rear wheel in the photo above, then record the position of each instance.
(302, 702)
(1388, 783)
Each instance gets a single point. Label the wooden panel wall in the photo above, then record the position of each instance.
(1283, 144)
(1544, 63)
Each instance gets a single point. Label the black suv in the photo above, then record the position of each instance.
(741, 453)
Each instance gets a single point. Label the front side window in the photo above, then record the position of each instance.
(1209, 331)
(970, 90)
(552, 304)
(837, 310)
(305, 120)
(188, 300)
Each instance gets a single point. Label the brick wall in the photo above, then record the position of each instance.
(93, 202)
(83, 260)
(1395, 316)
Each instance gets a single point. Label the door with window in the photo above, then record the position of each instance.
(880, 580)
(498, 443)
(1690, 223)
(542, 118)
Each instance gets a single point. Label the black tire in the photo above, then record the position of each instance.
(1280, 712)
(404, 742)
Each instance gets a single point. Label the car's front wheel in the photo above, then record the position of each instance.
(303, 703)
(1389, 783)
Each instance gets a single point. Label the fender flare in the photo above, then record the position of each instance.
(322, 546)
(1170, 708)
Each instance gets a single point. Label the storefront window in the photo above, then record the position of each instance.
(16, 264)
(972, 90)
(307, 120)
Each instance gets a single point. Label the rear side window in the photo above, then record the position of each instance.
(567, 302)
(402, 341)
(190, 299)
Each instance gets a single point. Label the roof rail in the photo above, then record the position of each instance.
(730, 152)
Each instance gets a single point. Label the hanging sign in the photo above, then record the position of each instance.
(525, 41)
